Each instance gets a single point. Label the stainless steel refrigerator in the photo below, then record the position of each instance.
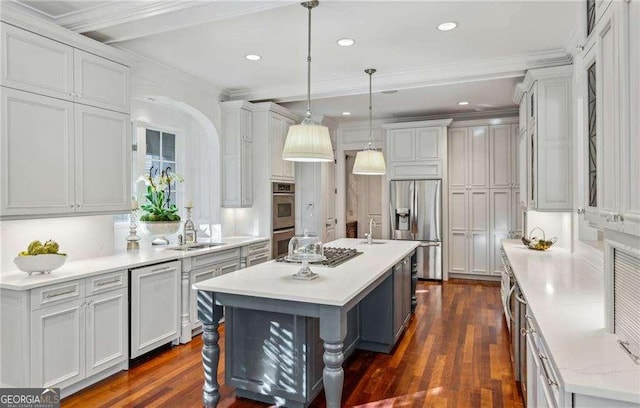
(415, 208)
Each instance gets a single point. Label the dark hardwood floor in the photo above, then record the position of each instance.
(455, 353)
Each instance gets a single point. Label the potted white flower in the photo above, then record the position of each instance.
(160, 214)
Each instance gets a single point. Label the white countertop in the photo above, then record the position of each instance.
(566, 296)
(335, 286)
(18, 280)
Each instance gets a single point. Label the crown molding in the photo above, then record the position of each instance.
(419, 123)
(441, 74)
(456, 117)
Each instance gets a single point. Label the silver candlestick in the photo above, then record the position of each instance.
(190, 236)
(133, 240)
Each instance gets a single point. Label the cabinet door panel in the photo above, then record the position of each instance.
(458, 157)
(479, 210)
(458, 252)
(197, 276)
(402, 145)
(514, 147)
(427, 143)
(516, 214)
(246, 173)
(103, 160)
(101, 82)
(500, 162)
(277, 143)
(107, 330)
(479, 253)
(328, 201)
(496, 243)
(630, 163)
(155, 303)
(500, 206)
(36, 64)
(522, 116)
(58, 345)
(37, 155)
(288, 167)
(479, 157)
(523, 164)
(458, 210)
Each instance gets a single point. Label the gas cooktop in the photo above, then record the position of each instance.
(333, 256)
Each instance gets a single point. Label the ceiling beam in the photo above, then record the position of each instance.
(441, 74)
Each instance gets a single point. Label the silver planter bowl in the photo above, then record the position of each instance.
(159, 229)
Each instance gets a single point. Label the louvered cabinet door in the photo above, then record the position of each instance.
(626, 303)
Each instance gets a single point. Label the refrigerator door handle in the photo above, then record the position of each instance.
(414, 216)
(430, 244)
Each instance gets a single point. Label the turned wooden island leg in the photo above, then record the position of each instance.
(333, 329)
(210, 314)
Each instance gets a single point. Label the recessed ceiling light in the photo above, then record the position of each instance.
(346, 113)
(252, 57)
(463, 103)
(448, 26)
(390, 92)
(346, 42)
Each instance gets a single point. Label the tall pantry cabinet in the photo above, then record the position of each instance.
(483, 194)
(66, 129)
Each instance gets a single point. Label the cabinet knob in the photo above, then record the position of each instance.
(580, 210)
(72, 205)
(79, 205)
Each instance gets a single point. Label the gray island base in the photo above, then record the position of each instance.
(286, 340)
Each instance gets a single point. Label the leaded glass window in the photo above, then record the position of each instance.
(592, 136)
(591, 15)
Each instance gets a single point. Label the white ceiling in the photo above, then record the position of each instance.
(495, 43)
(482, 96)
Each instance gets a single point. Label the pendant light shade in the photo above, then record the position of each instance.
(308, 141)
(370, 162)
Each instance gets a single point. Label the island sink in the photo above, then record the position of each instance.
(195, 247)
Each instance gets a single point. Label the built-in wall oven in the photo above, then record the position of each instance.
(283, 217)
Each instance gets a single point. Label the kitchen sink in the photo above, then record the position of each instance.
(195, 247)
(372, 242)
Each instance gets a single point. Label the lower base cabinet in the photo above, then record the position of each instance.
(66, 335)
(155, 306)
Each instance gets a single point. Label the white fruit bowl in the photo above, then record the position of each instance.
(44, 263)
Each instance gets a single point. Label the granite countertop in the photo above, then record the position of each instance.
(335, 286)
(566, 296)
(18, 280)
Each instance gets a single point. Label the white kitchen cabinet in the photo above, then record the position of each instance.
(514, 155)
(416, 149)
(58, 345)
(107, 340)
(237, 154)
(469, 157)
(102, 160)
(36, 64)
(469, 231)
(73, 336)
(100, 82)
(616, 202)
(72, 159)
(500, 167)
(155, 306)
(283, 170)
(548, 104)
(37, 155)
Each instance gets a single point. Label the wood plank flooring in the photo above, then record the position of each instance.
(455, 353)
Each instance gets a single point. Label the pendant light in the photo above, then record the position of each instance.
(308, 141)
(369, 161)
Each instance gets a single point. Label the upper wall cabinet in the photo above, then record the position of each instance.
(547, 95)
(41, 65)
(237, 154)
(101, 82)
(36, 64)
(469, 157)
(503, 145)
(416, 149)
(611, 143)
(66, 130)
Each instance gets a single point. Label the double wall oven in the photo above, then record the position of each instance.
(283, 216)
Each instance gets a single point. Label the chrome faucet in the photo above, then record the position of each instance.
(372, 224)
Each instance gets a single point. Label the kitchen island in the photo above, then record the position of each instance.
(371, 284)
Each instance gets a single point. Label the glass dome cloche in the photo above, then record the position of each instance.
(305, 248)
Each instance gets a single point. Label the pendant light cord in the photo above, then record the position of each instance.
(370, 71)
(309, 64)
